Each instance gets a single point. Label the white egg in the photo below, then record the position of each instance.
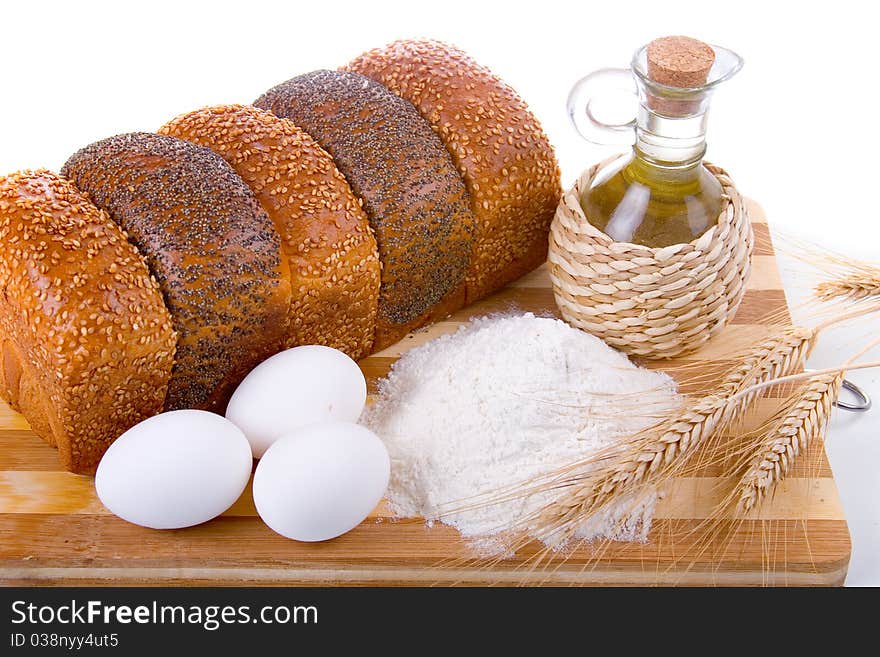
(321, 481)
(295, 388)
(176, 469)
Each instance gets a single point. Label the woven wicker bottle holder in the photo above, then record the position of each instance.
(656, 303)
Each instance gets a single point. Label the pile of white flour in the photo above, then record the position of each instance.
(501, 401)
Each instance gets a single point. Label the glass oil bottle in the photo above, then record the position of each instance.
(659, 193)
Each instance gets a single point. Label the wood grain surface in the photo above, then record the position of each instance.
(55, 531)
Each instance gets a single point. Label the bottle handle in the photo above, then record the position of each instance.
(580, 111)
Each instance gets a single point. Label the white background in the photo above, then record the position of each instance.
(797, 128)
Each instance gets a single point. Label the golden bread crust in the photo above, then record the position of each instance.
(87, 343)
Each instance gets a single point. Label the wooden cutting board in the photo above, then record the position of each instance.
(55, 531)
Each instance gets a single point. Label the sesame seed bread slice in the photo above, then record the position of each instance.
(86, 343)
(414, 198)
(213, 250)
(498, 146)
(325, 235)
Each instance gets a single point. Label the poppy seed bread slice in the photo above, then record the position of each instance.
(213, 250)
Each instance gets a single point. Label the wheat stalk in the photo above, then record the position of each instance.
(801, 422)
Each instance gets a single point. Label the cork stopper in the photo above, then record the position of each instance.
(679, 61)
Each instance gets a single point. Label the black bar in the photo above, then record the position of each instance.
(131, 620)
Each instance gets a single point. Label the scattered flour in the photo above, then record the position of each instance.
(503, 400)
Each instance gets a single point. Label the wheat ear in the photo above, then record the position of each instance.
(779, 354)
(790, 433)
(852, 280)
(852, 287)
(847, 279)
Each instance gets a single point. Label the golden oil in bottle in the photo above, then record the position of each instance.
(653, 204)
